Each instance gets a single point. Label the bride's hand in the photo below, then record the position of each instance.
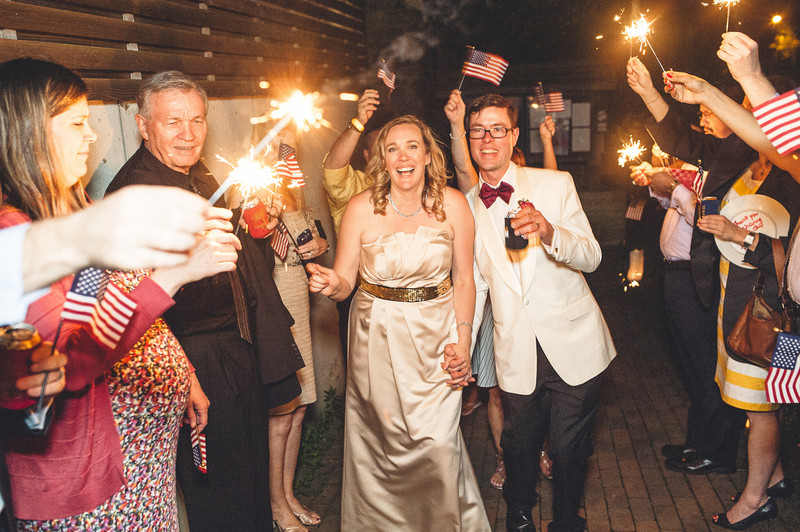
(457, 363)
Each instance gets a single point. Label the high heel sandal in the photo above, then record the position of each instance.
(782, 489)
(281, 528)
(499, 476)
(308, 517)
(767, 511)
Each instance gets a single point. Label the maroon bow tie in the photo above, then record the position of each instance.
(489, 194)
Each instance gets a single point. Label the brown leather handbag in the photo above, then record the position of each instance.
(755, 333)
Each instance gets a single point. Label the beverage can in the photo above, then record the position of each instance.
(708, 206)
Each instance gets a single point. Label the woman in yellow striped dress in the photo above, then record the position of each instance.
(741, 383)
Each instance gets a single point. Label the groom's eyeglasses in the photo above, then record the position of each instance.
(497, 132)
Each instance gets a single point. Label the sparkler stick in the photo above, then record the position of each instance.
(728, 3)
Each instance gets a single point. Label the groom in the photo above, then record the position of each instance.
(551, 341)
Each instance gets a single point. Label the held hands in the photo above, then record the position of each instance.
(722, 228)
(456, 363)
(640, 174)
(367, 104)
(530, 222)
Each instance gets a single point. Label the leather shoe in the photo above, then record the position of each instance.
(679, 452)
(780, 490)
(519, 521)
(767, 511)
(578, 526)
(698, 467)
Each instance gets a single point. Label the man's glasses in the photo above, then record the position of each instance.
(497, 132)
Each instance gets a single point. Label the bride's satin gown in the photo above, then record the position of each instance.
(406, 467)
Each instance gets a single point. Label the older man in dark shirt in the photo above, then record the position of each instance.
(233, 327)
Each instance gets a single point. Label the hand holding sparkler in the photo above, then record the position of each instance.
(639, 174)
(642, 84)
(685, 88)
(740, 52)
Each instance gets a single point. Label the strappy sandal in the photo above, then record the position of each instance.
(499, 476)
(308, 517)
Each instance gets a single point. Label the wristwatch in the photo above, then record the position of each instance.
(748, 240)
(671, 187)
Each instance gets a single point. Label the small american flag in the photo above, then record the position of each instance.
(783, 380)
(387, 76)
(538, 94)
(199, 450)
(100, 304)
(691, 179)
(290, 168)
(635, 209)
(554, 102)
(280, 240)
(779, 118)
(485, 66)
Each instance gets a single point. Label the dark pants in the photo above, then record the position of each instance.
(712, 427)
(234, 494)
(570, 412)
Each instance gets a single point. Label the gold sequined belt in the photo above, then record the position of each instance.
(406, 295)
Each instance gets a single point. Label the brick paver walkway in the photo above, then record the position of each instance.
(643, 407)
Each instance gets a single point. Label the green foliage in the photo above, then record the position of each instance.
(321, 440)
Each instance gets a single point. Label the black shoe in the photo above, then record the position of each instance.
(698, 467)
(519, 521)
(579, 526)
(768, 511)
(679, 452)
(782, 489)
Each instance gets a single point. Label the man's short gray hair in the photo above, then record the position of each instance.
(164, 81)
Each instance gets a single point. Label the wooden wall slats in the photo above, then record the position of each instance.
(47, 20)
(213, 18)
(232, 43)
(290, 12)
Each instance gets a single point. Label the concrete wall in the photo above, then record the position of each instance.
(230, 136)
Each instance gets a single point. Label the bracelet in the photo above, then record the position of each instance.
(356, 123)
(468, 324)
(458, 137)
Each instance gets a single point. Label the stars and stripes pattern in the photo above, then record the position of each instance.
(783, 379)
(280, 240)
(485, 66)
(554, 102)
(100, 304)
(199, 451)
(779, 118)
(287, 165)
(387, 76)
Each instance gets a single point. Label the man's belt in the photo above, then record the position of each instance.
(406, 295)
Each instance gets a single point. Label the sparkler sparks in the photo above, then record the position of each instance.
(728, 3)
(638, 31)
(299, 108)
(632, 151)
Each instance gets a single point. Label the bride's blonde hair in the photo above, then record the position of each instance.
(436, 173)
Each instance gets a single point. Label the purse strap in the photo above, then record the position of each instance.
(779, 258)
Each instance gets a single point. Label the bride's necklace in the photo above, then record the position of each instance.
(398, 210)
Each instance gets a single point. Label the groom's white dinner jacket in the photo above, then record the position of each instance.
(545, 296)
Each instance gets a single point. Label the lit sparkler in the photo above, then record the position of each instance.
(631, 151)
(299, 108)
(727, 3)
(638, 31)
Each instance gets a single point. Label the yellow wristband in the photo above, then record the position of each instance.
(357, 124)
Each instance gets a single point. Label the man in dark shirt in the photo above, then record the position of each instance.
(713, 427)
(233, 327)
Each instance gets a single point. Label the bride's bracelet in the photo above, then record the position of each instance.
(468, 324)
